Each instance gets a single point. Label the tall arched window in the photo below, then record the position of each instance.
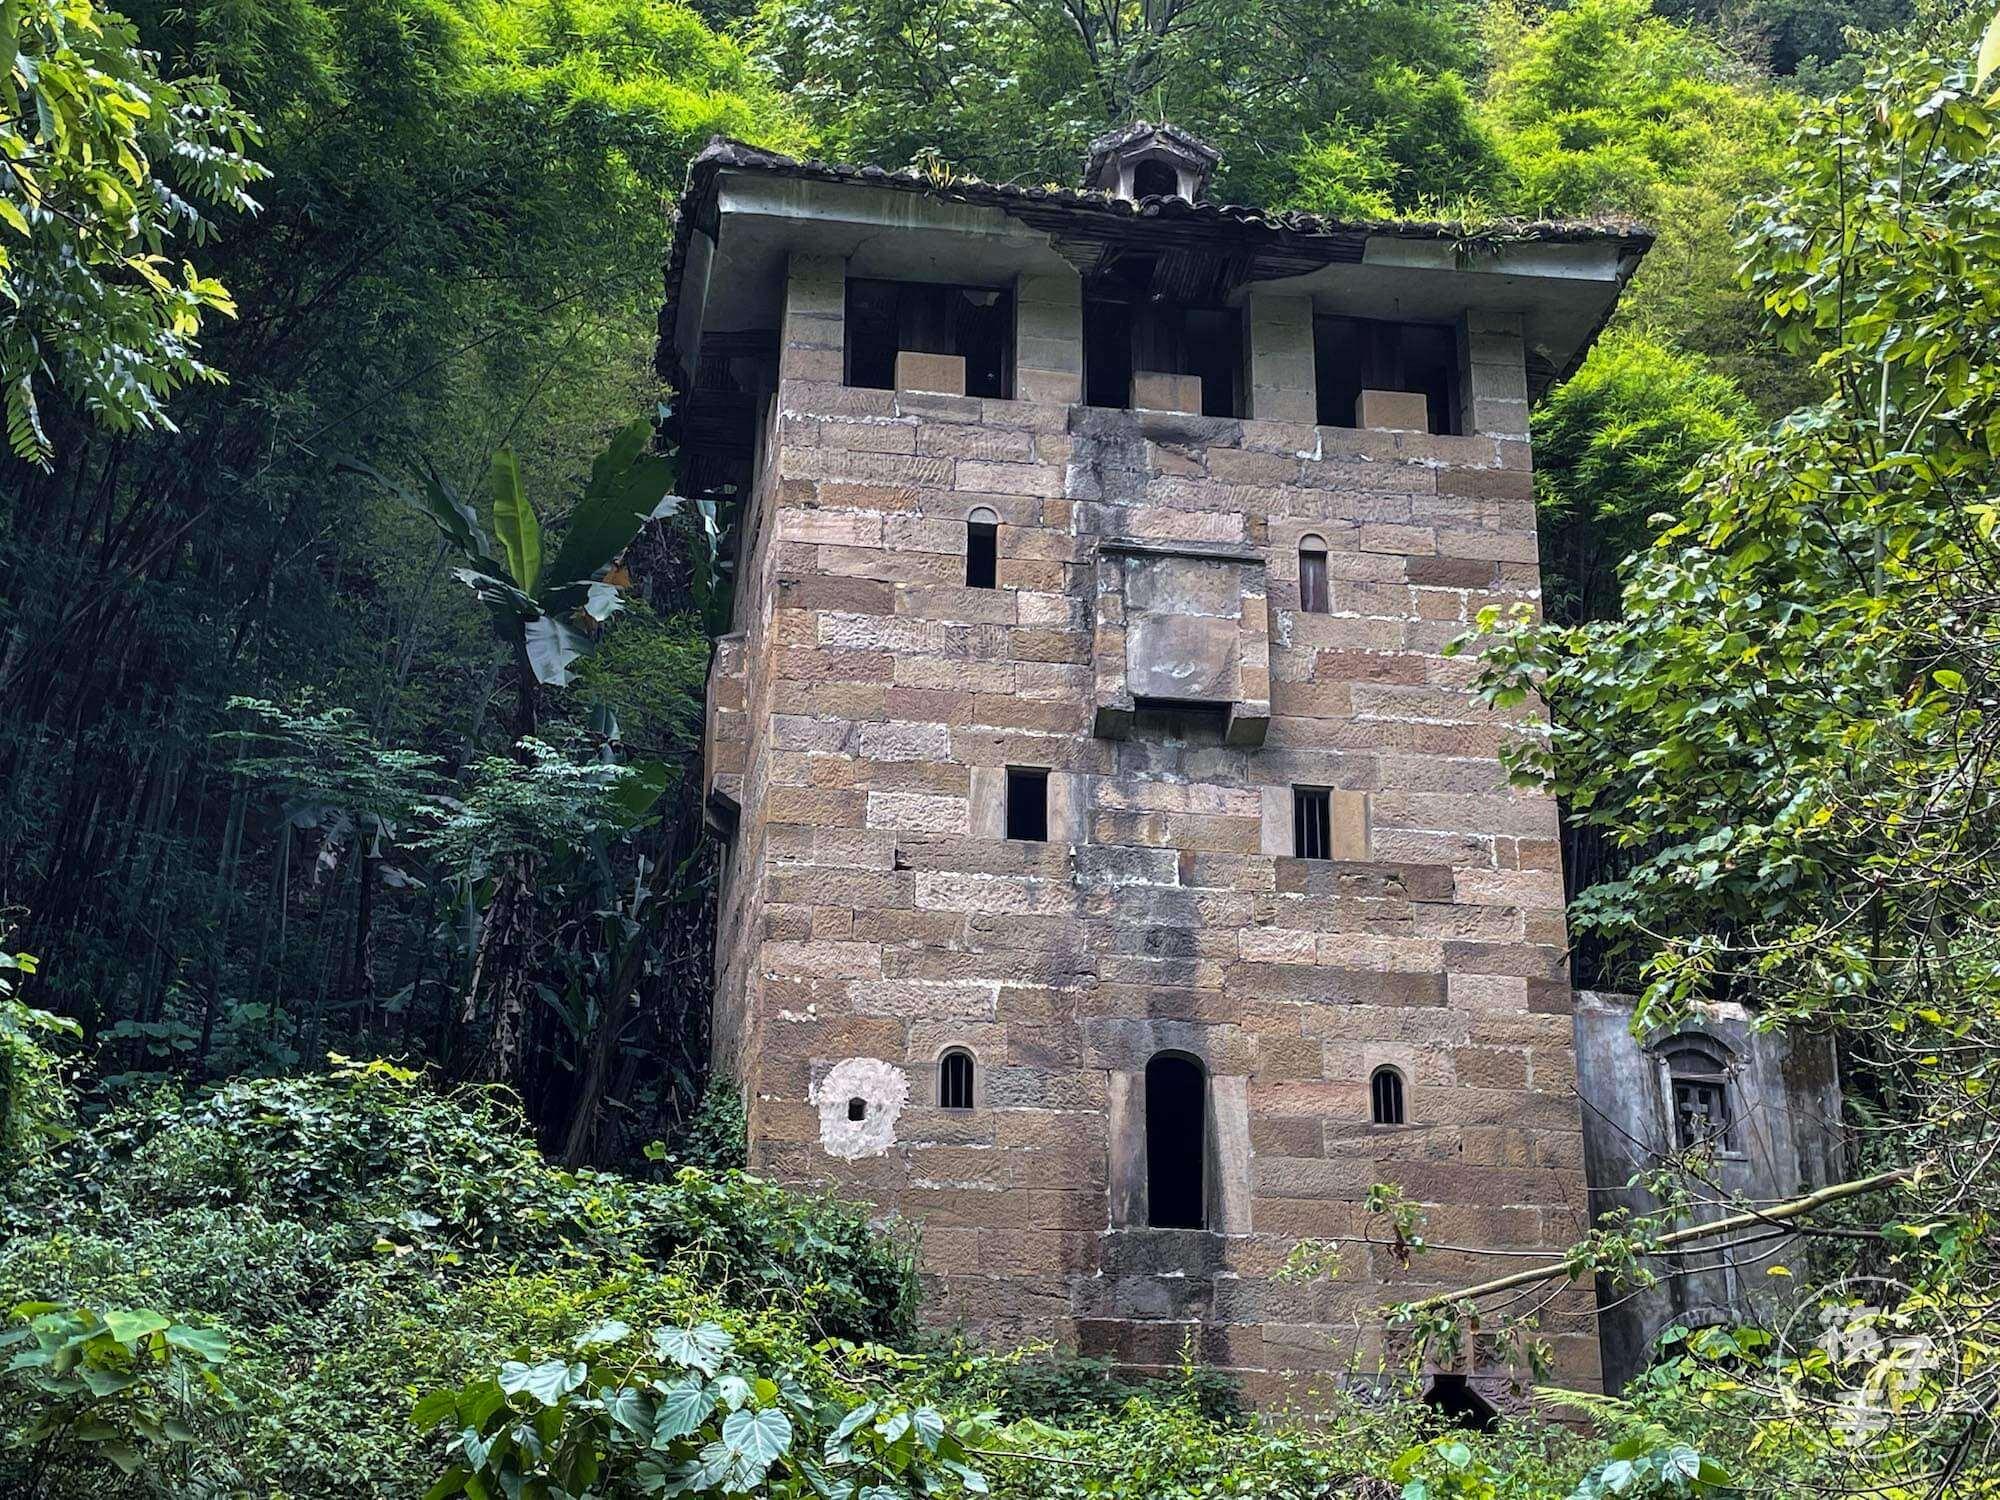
(1385, 1096)
(1176, 1140)
(982, 548)
(1698, 1082)
(955, 1079)
(1312, 574)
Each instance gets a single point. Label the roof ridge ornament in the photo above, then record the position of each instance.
(1150, 160)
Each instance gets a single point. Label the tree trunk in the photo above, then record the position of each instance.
(500, 987)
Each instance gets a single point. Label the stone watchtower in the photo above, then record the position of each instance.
(1119, 878)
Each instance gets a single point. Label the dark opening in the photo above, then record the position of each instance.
(982, 554)
(1312, 579)
(1155, 179)
(1385, 1096)
(955, 1079)
(1701, 1100)
(1027, 804)
(1312, 822)
(1454, 1399)
(1352, 355)
(1126, 332)
(857, 1109)
(886, 317)
(1176, 1132)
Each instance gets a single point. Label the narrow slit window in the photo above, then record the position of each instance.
(1028, 804)
(982, 550)
(1176, 1130)
(1312, 822)
(1312, 576)
(1385, 1096)
(955, 1079)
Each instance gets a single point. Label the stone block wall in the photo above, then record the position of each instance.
(874, 914)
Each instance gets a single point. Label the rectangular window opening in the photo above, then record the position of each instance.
(1312, 582)
(1127, 335)
(887, 318)
(1312, 822)
(982, 554)
(1028, 804)
(1352, 355)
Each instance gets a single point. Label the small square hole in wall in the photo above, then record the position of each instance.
(1028, 804)
(1312, 822)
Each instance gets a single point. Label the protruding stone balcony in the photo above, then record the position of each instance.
(1182, 625)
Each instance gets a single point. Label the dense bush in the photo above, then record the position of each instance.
(361, 1240)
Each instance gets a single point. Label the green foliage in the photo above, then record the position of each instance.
(365, 1238)
(716, 1139)
(1016, 92)
(109, 165)
(686, 1412)
(1614, 447)
(1790, 730)
(34, 1098)
(1344, 174)
(122, 1388)
(1604, 107)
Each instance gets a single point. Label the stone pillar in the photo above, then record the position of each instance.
(815, 323)
(1492, 374)
(1048, 339)
(1282, 383)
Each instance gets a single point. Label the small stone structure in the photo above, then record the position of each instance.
(1120, 877)
(1758, 1112)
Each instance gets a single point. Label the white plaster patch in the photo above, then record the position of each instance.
(874, 1090)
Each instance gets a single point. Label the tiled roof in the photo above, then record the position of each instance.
(1292, 242)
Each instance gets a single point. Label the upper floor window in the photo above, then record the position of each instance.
(1355, 355)
(1698, 1080)
(1312, 575)
(1176, 1142)
(955, 1079)
(1028, 804)
(1385, 1097)
(960, 338)
(1160, 355)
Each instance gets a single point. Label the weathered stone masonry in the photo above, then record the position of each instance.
(862, 721)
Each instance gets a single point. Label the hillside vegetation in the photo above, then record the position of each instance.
(325, 366)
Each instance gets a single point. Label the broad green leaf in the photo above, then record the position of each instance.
(552, 647)
(514, 521)
(682, 1407)
(611, 1331)
(1989, 53)
(433, 1409)
(548, 1382)
(701, 1347)
(762, 1437)
(210, 1344)
(128, 1325)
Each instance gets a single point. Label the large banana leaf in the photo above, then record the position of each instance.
(514, 518)
(628, 487)
(439, 504)
(552, 646)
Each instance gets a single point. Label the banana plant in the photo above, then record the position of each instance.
(536, 599)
